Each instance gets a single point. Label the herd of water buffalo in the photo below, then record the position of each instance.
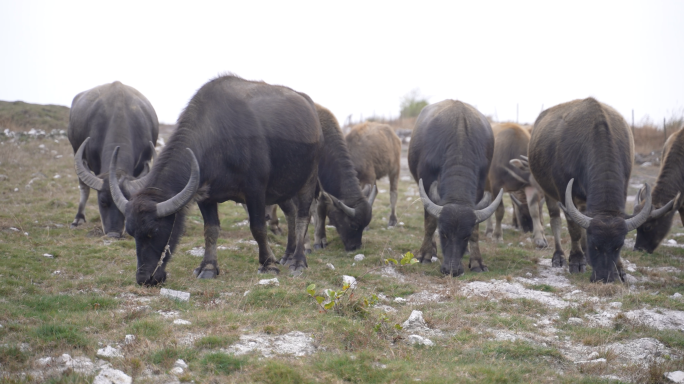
(263, 145)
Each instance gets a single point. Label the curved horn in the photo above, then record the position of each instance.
(484, 201)
(515, 200)
(637, 198)
(660, 212)
(524, 157)
(430, 207)
(118, 196)
(83, 172)
(483, 214)
(373, 194)
(349, 211)
(642, 216)
(578, 217)
(177, 202)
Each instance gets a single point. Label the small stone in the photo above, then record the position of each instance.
(575, 320)
(401, 223)
(676, 295)
(415, 339)
(176, 371)
(129, 339)
(273, 281)
(351, 280)
(14, 229)
(48, 255)
(331, 266)
(16, 189)
(24, 347)
(615, 304)
(109, 351)
(528, 274)
(676, 376)
(112, 376)
(593, 355)
(245, 294)
(434, 259)
(415, 321)
(56, 272)
(629, 279)
(45, 361)
(646, 164)
(57, 176)
(177, 295)
(359, 257)
(672, 242)
(399, 300)
(180, 363)
(181, 322)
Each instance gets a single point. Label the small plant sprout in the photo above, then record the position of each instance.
(408, 259)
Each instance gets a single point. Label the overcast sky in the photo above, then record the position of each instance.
(353, 57)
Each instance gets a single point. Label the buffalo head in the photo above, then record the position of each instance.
(350, 220)
(155, 221)
(456, 223)
(654, 230)
(112, 219)
(605, 234)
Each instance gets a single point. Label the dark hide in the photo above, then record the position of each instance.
(452, 145)
(111, 115)
(670, 182)
(338, 178)
(591, 143)
(375, 150)
(255, 144)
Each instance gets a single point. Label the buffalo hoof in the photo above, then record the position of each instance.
(276, 231)
(479, 269)
(498, 239)
(208, 271)
(269, 268)
(425, 259)
(392, 222)
(322, 245)
(115, 235)
(577, 268)
(558, 260)
(541, 243)
(307, 251)
(286, 260)
(77, 221)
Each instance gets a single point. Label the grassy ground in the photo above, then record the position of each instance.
(85, 296)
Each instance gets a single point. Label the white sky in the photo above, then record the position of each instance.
(354, 57)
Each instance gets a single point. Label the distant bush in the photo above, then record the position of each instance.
(412, 103)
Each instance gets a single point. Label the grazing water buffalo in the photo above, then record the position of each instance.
(101, 119)
(582, 151)
(239, 140)
(510, 142)
(376, 152)
(450, 152)
(670, 185)
(342, 201)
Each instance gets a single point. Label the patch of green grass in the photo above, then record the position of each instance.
(274, 298)
(543, 288)
(45, 306)
(215, 341)
(519, 350)
(166, 356)
(222, 363)
(354, 369)
(70, 377)
(11, 354)
(146, 328)
(276, 372)
(57, 334)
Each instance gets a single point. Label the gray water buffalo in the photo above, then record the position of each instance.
(239, 140)
(581, 153)
(348, 208)
(101, 119)
(510, 142)
(450, 153)
(669, 185)
(376, 152)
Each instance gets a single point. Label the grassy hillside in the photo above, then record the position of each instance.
(21, 116)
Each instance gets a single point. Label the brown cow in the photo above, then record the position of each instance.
(510, 142)
(375, 151)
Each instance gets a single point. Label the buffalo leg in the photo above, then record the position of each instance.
(558, 259)
(474, 246)
(499, 215)
(320, 240)
(304, 199)
(532, 195)
(80, 215)
(429, 248)
(489, 229)
(272, 218)
(393, 199)
(208, 269)
(257, 224)
(290, 212)
(576, 260)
